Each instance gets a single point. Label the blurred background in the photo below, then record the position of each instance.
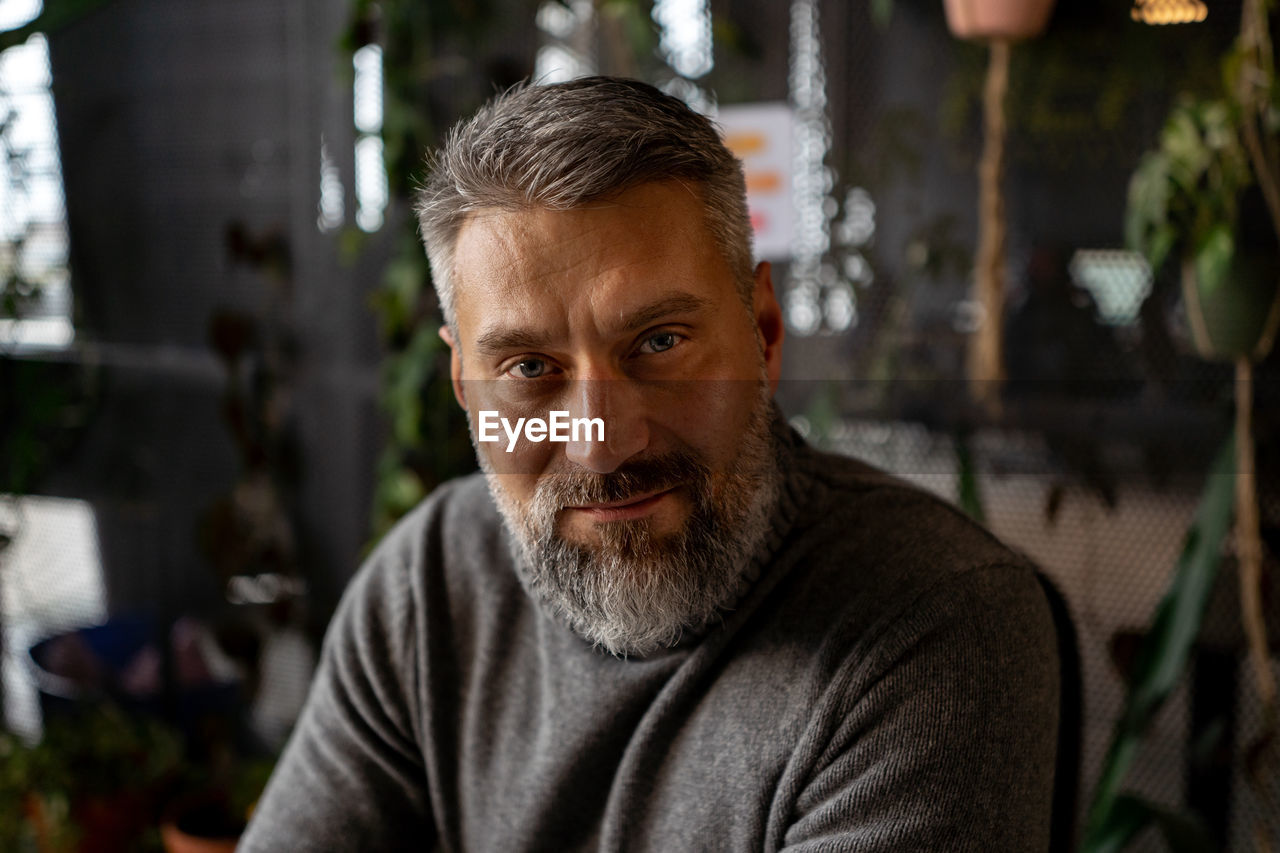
(1029, 264)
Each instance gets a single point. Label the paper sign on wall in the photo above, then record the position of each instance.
(760, 135)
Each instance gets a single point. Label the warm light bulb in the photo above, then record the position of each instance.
(1161, 12)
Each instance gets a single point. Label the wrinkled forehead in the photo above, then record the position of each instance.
(593, 257)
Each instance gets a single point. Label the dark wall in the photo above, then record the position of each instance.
(229, 341)
(190, 140)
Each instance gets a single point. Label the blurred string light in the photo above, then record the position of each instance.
(332, 206)
(1169, 11)
(684, 38)
(819, 296)
(371, 171)
(855, 233)
(684, 42)
(569, 49)
(568, 36)
(33, 230)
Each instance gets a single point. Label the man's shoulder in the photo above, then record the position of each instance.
(453, 538)
(884, 518)
(868, 548)
(457, 512)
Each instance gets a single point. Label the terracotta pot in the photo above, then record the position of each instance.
(998, 19)
(103, 823)
(201, 824)
(177, 841)
(110, 823)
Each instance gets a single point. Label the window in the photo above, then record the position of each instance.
(35, 292)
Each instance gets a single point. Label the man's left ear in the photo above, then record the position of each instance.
(768, 316)
(455, 365)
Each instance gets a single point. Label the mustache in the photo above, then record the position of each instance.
(575, 486)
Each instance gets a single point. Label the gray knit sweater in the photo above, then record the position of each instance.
(887, 681)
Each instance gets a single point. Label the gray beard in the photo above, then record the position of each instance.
(633, 592)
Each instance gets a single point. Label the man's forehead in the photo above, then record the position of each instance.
(656, 208)
(524, 240)
(610, 256)
(506, 261)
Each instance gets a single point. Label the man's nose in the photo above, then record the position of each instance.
(619, 404)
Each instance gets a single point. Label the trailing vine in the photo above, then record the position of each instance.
(427, 49)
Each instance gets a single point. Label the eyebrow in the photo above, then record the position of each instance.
(503, 340)
(499, 340)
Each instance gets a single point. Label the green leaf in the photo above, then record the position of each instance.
(1160, 245)
(881, 13)
(968, 487)
(1164, 653)
(1165, 649)
(1128, 817)
(406, 277)
(637, 26)
(1213, 258)
(1186, 194)
(408, 375)
(1232, 63)
(1183, 832)
(1148, 202)
(1185, 149)
(1218, 121)
(351, 242)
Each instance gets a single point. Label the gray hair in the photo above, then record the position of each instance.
(564, 145)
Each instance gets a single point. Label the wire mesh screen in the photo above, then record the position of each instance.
(1109, 421)
(219, 343)
(221, 174)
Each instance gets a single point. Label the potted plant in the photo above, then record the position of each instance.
(212, 820)
(1185, 206)
(93, 782)
(1000, 23)
(1187, 203)
(1003, 20)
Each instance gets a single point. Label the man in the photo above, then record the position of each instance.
(692, 632)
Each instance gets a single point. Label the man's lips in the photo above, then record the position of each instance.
(623, 510)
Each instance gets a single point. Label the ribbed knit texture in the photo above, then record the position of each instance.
(887, 681)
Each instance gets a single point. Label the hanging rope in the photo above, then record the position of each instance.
(986, 347)
(1257, 73)
(1248, 540)
(1249, 557)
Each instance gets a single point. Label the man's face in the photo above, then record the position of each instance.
(622, 310)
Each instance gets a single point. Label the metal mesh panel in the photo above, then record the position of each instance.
(1110, 419)
(219, 118)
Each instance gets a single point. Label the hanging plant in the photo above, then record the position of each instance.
(1115, 817)
(1184, 207)
(1185, 203)
(430, 72)
(1000, 22)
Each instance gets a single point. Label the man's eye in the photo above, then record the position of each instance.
(660, 342)
(530, 368)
